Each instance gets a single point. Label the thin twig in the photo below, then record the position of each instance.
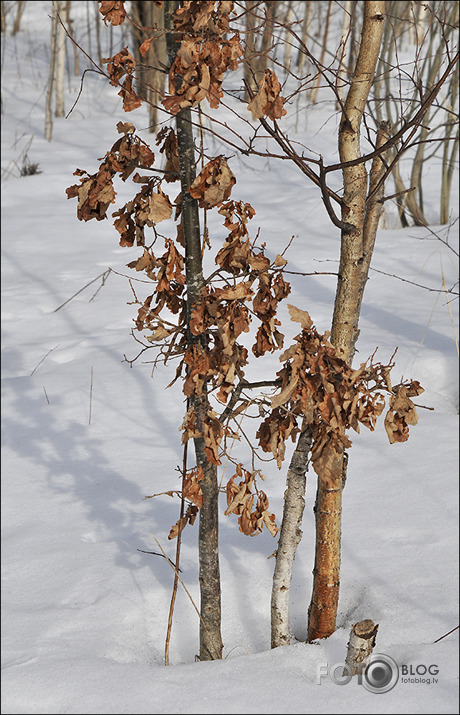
(419, 285)
(43, 359)
(102, 275)
(446, 634)
(182, 584)
(90, 396)
(46, 396)
(155, 553)
(450, 309)
(178, 545)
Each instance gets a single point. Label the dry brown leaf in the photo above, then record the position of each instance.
(192, 489)
(214, 183)
(125, 128)
(113, 12)
(131, 99)
(160, 207)
(268, 101)
(144, 48)
(300, 316)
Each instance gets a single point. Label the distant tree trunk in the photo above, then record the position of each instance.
(208, 538)
(52, 75)
(60, 59)
(360, 212)
(346, 40)
(301, 57)
(151, 77)
(250, 47)
(449, 162)
(17, 22)
(256, 57)
(68, 21)
(317, 82)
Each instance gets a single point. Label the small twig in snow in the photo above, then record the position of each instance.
(90, 396)
(102, 275)
(44, 358)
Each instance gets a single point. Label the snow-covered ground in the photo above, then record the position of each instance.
(85, 437)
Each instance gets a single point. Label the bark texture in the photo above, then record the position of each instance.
(360, 646)
(208, 538)
(148, 17)
(289, 539)
(360, 211)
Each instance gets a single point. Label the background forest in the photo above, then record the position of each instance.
(89, 428)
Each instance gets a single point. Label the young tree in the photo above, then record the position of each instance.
(360, 204)
(198, 319)
(208, 540)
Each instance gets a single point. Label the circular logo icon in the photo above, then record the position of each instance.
(381, 674)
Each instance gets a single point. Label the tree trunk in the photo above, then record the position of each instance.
(17, 23)
(250, 48)
(345, 319)
(289, 539)
(150, 80)
(255, 57)
(210, 610)
(49, 94)
(317, 82)
(326, 573)
(60, 60)
(360, 647)
(305, 28)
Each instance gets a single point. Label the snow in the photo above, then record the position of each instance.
(85, 438)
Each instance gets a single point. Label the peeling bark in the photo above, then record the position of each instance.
(289, 539)
(360, 212)
(360, 647)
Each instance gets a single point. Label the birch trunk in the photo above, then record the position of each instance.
(250, 49)
(314, 91)
(322, 612)
(49, 94)
(360, 647)
(60, 60)
(17, 23)
(208, 543)
(342, 70)
(301, 57)
(289, 539)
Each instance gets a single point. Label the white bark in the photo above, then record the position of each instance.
(49, 94)
(360, 646)
(290, 536)
(60, 59)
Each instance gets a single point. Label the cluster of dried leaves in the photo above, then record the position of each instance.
(318, 385)
(315, 383)
(205, 52)
(95, 192)
(240, 500)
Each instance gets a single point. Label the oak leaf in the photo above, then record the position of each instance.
(113, 12)
(214, 183)
(192, 489)
(131, 99)
(300, 316)
(268, 101)
(160, 207)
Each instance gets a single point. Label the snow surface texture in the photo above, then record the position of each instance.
(85, 438)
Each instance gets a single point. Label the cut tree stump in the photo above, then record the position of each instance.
(360, 646)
